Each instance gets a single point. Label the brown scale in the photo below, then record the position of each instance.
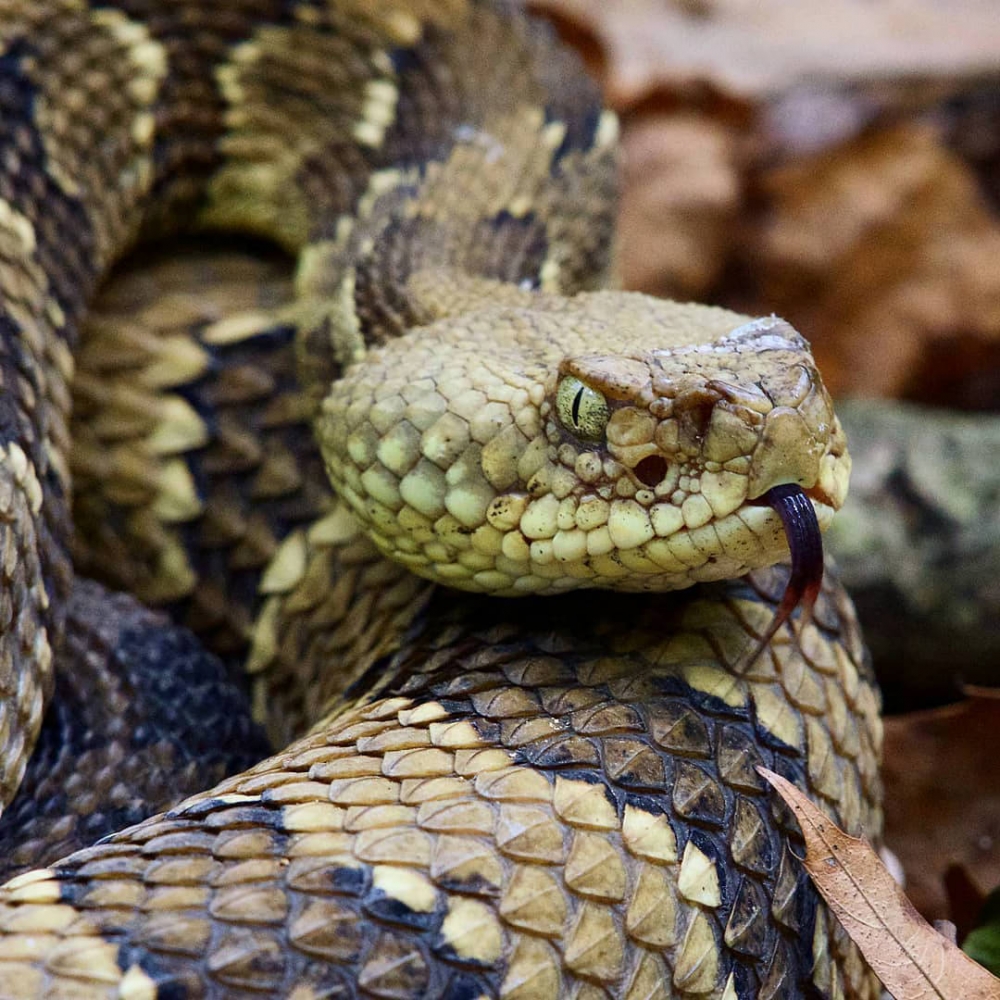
(215, 313)
(524, 800)
(152, 345)
(123, 737)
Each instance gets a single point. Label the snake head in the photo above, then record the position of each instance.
(609, 440)
(726, 420)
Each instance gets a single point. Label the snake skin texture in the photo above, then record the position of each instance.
(523, 799)
(572, 814)
(144, 717)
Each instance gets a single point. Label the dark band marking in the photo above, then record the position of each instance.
(188, 725)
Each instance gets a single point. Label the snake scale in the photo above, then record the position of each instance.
(550, 796)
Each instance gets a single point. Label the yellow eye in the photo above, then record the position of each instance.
(582, 410)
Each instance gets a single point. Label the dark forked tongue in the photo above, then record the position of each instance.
(805, 543)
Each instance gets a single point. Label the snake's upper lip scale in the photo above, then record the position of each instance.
(818, 495)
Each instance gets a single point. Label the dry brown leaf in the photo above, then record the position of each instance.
(884, 250)
(680, 203)
(943, 797)
(912, 959)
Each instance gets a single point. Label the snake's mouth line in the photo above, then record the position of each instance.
(610, 559)
(505, 559)
(818, 496)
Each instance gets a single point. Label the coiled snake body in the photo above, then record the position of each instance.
(551, 796)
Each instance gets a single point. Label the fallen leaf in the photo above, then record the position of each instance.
(884, 250)
(912, 959)
(942, 804)
(680, 202)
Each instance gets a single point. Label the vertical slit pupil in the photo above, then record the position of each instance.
(576, 406)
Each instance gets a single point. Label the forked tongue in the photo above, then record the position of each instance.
(805, 543)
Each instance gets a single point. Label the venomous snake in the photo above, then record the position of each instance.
(549, 796)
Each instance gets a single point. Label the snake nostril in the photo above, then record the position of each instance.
(651, 470)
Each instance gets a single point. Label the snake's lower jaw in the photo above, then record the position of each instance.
(521, 552)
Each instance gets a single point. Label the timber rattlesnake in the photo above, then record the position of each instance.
(514, 798)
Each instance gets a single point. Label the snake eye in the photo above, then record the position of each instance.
(582, 410)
